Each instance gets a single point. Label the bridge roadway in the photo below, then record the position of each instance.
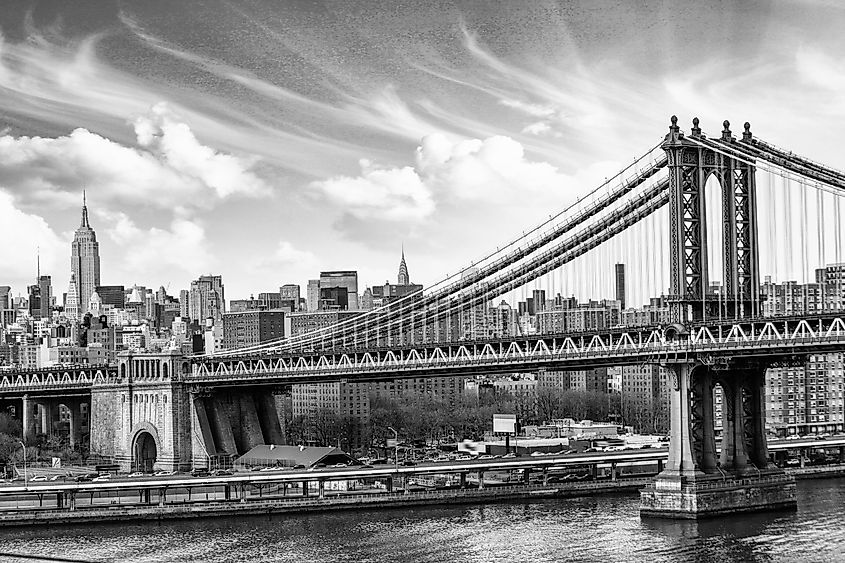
(764, 339)
(539, 463)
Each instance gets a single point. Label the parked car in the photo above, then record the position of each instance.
(408, 463)
(101, 477)
(509, 456)
(200, 473)
(37, 478)
(164, 473)
(221, 472)
(137, 474)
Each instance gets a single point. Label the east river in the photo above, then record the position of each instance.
(599, 528)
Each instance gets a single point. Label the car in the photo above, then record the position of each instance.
(265, 469)
(137, 474)
(537, 454)
(164, 473)
(645, 447)
(487, 456)
(37, 478)
(299, 466)
(509, 456)
(53, 478)
(100, 478)
(200, 473)
(221, 472)
(408, 463)
(339, 465)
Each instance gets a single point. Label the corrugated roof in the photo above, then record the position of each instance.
(293, 455)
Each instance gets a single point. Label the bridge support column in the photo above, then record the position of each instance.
(692, 485)
(480, 479)
(29, 409)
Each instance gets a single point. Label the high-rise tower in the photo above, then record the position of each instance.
(85, 260)
(404, 278)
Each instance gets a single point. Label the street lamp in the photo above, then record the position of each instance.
(25, 478)
(396, 446)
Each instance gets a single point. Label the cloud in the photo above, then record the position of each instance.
(389, 194)
(493, 170)
(24, 235)
(286, 254)
(538, 128)
(160, 254)
(169, 167)
(450, 174)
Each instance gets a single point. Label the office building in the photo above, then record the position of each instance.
(252, 327)
(206, 299)
(85, 261)
(113, 295)
(342, 280)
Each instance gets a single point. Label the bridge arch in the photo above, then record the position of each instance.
(145, 446)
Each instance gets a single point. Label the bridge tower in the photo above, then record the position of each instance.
(142, 418)
(698, 480)
(690, 165)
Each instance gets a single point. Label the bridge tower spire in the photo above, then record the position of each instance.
(690, 164)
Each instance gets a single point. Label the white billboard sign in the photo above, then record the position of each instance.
(504, 424)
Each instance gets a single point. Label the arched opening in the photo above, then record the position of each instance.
(715, 245)
(145, 452)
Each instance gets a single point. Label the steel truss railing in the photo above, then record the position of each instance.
(56, 378)
(759, 338)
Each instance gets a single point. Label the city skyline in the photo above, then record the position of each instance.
(280, 147)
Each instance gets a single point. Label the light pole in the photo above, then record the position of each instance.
(395, 446)
(25, 478)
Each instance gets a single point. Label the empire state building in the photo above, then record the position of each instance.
(84, 261)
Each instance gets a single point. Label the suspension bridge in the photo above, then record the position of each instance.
(690, 211)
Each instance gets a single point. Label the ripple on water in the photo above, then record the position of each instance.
(601, 528)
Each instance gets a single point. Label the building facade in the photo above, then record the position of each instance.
(85, 261)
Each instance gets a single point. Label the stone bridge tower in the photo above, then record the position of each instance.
(142, 419)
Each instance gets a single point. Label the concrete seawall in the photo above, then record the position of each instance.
(208, 509)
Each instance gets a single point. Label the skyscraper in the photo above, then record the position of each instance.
(207, 299)
(85, 260)
(342, 280)
(404, 278)
(620, 284)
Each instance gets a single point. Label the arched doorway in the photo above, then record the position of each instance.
(145, 452)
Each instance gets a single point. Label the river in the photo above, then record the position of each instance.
(599, 528)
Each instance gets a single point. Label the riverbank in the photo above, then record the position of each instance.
(280, 506)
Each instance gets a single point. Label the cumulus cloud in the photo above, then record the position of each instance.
(492, 171)
(170, 167)
(390, 194)
(155, 253)
(24, 235)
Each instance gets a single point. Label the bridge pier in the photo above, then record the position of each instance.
(692, 484)
(29, 412)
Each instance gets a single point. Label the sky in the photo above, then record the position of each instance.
(267, 141)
